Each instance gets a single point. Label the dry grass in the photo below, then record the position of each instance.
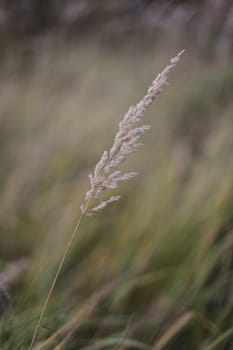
(106, 175)
(170, 238)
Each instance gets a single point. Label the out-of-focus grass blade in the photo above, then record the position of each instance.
(81, 314)
(173, 330)
(220, 339)
(117, 341)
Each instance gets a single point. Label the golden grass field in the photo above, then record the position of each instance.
(152, 271)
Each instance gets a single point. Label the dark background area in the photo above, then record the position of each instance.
(205, 24)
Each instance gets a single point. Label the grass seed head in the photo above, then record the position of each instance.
(105, 176)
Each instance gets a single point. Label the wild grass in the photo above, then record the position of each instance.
(106, 175)
(154, 270)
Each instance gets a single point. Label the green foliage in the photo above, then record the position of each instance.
(152, 271)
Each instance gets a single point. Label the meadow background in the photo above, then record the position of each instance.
(155, 270)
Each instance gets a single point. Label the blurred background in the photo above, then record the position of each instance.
(155, 270)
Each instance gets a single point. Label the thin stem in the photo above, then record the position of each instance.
(66, 252)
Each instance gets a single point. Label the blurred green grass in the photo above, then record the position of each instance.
(167, 245)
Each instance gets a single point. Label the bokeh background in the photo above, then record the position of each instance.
(155, 270)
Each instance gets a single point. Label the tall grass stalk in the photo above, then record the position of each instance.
(107, 175)
(45, 305)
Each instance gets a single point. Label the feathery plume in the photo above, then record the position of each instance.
(105, 176)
